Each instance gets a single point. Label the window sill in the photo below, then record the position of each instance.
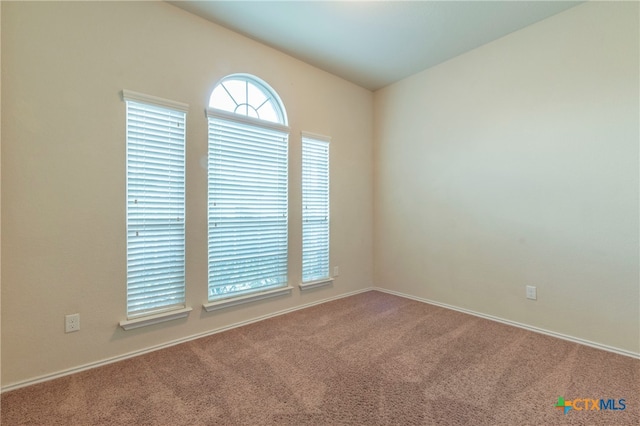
(225, 303)
(316, 284)
(155, 319)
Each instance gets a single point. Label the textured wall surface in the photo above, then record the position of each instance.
(63, 171)
(517, 164)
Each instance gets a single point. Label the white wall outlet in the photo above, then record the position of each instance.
(532, 292)
(71, 323)
(336, 271)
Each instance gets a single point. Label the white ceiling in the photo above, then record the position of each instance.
(374, 43)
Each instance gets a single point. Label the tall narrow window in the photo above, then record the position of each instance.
(315, 208)
(248, 200)
(155, 204)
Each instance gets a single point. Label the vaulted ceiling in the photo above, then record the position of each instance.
(374, 43)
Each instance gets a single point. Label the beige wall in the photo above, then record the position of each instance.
(63, 171)
(517, 164)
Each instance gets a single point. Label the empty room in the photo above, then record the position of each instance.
(320, 213)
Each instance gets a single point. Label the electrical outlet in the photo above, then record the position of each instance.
(532, 292)
(336, 271)
(71, 323)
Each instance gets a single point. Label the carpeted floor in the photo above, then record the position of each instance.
(369, 359)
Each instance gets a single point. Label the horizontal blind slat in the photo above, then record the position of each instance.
(248, 207)
(315, 209)
(155, 207)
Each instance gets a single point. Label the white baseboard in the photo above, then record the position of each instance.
(133, 354)
(516, 324)
(111, 360)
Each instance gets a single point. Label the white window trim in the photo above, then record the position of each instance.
(272, 96)
(130, 95)
(226, 115)
(316, 136)
(305, 285)
(170, 312)
(240, 300)
(315, 284)
(155, 319)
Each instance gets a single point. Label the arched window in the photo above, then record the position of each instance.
(249, 96)
(247, 192)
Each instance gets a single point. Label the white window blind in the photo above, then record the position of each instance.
(155, 204)
(248, 203)
(315, 208)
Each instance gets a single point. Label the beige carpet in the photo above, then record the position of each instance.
(369, 359)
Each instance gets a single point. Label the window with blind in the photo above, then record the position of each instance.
(155, 138)
(247, 194)
(315, 208)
